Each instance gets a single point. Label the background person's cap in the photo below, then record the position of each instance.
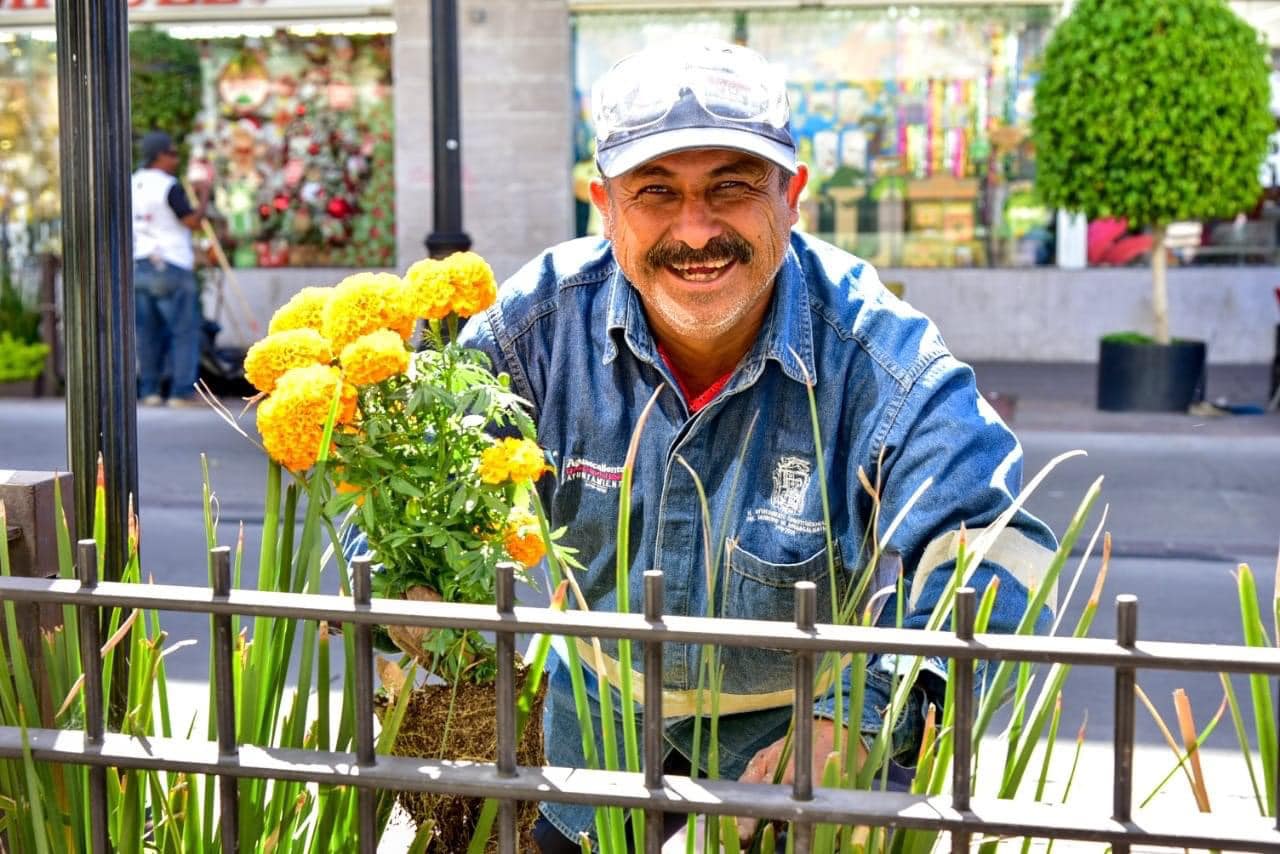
(710, 95)
(154, 144)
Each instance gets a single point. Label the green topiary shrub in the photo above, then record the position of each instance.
(22, 352)
(164, 84)
(1154, 111)
(20, 360)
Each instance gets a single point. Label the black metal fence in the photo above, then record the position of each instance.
(959, 814)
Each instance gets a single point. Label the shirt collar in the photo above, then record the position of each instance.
(786, 336)
(625, 312)
(787, 333)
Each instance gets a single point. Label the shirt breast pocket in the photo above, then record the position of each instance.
(756, 589)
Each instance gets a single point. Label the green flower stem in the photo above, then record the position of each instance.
(1264, 717)
(1242, 738)
(1027, 625)
(580, 704)
(837, 682)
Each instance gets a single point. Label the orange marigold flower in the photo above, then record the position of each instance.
(302, 311)
(523, 538)
(363, 303)
(292, 419)
(515, 460)
(374, 357)
(348, 407)
(526, 460)
(268, 359)
(429, 289)
(474, 286)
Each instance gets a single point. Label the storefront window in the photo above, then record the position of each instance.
(913, 120)
(915, 124)
(29, 223)
(297, 132)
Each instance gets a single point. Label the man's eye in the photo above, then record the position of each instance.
(654, 190)
(730, 187)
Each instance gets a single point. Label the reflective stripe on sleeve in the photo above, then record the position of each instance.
(677, 704)
(1024, 558)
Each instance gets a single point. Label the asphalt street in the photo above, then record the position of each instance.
(1186, 502)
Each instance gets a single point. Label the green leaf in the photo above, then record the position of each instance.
(404, 487)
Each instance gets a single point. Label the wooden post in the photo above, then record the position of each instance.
(31, 513)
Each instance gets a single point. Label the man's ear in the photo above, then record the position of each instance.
(600, 198)
(794, 188)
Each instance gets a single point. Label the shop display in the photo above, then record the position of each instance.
(912, 120)
(29, 174)
(905, 105)
(296, 134)
(299, 141)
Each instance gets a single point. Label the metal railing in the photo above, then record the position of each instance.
(960, 814)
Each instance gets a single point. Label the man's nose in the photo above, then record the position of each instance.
(694, 223)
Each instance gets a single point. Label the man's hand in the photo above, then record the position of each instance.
(762, 766)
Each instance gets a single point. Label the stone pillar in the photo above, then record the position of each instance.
(517, 131)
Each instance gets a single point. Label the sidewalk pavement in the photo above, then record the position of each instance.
(1062, 396)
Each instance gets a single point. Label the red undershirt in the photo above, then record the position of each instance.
(695, 402)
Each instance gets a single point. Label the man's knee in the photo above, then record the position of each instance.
(551, 841)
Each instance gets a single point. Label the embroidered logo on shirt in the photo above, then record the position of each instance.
(791, 479)
(790, 482)
(597, 476)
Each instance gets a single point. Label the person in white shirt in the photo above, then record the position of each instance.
(166, 308)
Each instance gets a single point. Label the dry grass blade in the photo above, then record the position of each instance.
(1187, 724)
(390, 675)
(1095, 595)
(121, 633)
(169, 650)
(596, 649)
(71, 696)
(216, 404)
(930, 734)
(871, 491)
(1164, 729)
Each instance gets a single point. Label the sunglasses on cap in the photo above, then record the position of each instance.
(731, 83)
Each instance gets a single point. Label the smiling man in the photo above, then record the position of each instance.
(702, 289)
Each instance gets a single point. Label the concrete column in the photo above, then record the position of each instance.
(515, 63)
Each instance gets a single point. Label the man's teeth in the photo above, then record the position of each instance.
(701, 271)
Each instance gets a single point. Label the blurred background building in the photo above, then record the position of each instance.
(316, 123)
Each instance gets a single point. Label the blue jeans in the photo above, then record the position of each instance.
(168, 328)
(741, 736)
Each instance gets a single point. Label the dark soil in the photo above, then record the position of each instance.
(472, 736)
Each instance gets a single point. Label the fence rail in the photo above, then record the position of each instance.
(804, 804)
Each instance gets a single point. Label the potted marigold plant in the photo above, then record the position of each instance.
(429, 462)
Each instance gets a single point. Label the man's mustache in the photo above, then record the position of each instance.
(732, 247)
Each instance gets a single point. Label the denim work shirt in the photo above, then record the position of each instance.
(891, 400)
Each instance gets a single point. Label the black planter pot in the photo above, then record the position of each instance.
(1150, 377)
(1275, 368)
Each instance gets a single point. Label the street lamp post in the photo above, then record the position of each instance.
(97, 269)
(97, 263)
(447, 235)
